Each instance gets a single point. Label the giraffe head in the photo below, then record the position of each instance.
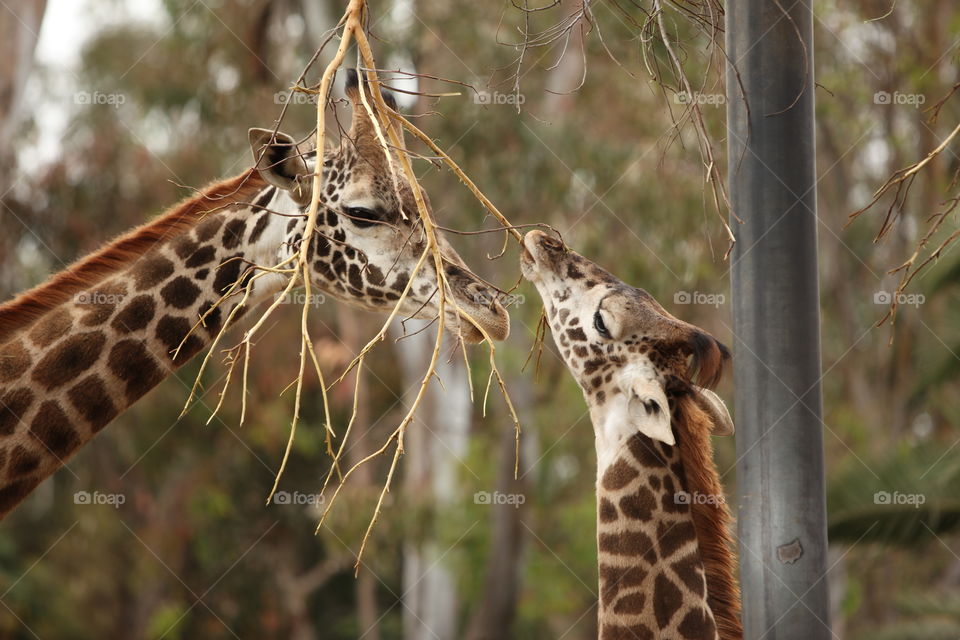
(628, 354)
(665, 565)
(369, 236)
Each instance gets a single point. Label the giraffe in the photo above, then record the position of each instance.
(666, 569)
(79, 349)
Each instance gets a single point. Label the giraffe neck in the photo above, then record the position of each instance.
(82, 348)
(652, 579)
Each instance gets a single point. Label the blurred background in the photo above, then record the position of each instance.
(109, 108)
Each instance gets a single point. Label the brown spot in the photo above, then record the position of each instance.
(690, 571)
(69, 359)
(631, 603)
(180, 292)
(12, 494)
(131, 362)
(264, 200)
(645, 452)
(590, 366)
(354, 276)
(666, 450)
(211, 320)
(22, 462)
(673, 536)
(375, 275)
(324, 270)
(90, 398)
(577, 334)
(628, 543)
(654, 481)
(321, 246)
(203, 255)
(400, 283)
(13, 407)
(53, 429)
(100, 303)
(171, 332)
(666, 600)
(227, 273)
(638, 631)
(697, 624)
(207, 228)
(136, 315)
(668, 499)
(639, 505)
(618, 475)
(233, 233)
(51, 327)
(612, 579)
(259, 226)
(607, 511)
(573, 273)
(677, 468)
(339, 264)
(151, 271)
(184, 246)
(14, 360)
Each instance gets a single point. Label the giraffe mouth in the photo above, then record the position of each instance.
(530, 266)
(484, 311)
(475, 306)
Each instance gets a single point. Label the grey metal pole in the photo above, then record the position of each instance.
(776, 320)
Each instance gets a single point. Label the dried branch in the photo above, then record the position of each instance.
(351, 29)
(897, 187)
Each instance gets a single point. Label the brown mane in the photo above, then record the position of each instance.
(711, 521)
(86, 272)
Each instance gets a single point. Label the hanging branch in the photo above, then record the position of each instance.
(351, 30)
(897, 188)
(649, 22)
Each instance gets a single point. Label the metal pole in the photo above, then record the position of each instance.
(776, 320)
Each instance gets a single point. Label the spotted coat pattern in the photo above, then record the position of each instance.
(73, 357)
(618, 342)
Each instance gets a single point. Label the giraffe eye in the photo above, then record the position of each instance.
(600, 326)
(362, 216)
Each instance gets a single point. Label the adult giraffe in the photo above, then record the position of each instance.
(82, 347)
(664, 549)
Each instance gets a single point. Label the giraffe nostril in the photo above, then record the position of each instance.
(456, 271)
(551, 243)
(481, 295)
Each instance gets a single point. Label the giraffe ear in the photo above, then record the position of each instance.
(648, 411)
(716, 409)
(280, 163)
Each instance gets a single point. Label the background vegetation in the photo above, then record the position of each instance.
(193, 552)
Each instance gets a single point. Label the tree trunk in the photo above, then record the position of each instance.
(19, 31)
(494, 615)
(435, 443)
(355, 330)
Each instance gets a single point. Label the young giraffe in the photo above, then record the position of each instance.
(664, 549)
(81, 348)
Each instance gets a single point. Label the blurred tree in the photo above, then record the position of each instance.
(184, 557)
